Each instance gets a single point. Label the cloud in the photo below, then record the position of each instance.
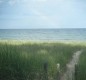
(12, 2)
(30, 0)
(36, 0)
(1, 1)
(47, 19)
(33, 1)
(40, 0)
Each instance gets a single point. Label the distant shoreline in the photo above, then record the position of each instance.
(47, 41)
(37, 28)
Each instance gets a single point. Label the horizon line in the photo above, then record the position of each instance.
(43, 28)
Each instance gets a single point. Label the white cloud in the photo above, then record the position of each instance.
(1, 1)
(24, 0)
(12, 2)
(36, 0)
(47, 19)
(40, 0)
(33, 1)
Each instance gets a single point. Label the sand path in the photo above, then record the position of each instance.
(69, 74)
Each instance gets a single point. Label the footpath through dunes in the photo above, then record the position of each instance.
(69, 74)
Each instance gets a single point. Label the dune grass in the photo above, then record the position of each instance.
(25, 60)
(81, 67)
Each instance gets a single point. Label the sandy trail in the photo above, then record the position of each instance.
(69, 74)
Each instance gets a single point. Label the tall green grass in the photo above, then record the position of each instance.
(81, 68)
(25, 60)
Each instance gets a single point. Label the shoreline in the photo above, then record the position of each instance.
(43, 40)
(19, 42)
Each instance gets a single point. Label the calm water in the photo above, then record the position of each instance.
(43, 34)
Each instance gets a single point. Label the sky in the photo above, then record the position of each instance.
(31, 14)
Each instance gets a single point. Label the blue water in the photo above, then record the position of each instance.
(43, 34)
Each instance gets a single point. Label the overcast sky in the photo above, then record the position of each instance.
(42, 14)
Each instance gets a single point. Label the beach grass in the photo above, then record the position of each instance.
(23, 60)
(81, 67)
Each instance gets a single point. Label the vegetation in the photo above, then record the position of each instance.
(25, 60)
(81, 67)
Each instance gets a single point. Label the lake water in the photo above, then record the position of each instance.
(43, 34)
